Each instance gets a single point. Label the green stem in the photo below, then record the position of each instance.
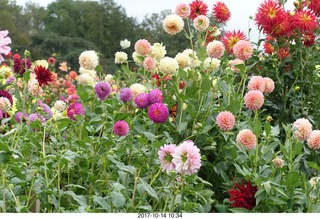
(135, 187)
(3, 190)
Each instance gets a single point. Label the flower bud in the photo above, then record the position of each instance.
(278, 162)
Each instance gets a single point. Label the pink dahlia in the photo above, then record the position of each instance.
(149, 64)
(303, 129)
(158, 113)
(4, 42)
(257, 83)
(142, 47)
(183, 10)
(155, 96)
(201, 22)
(121, 128)
(165, 155)
(314, 140)
(269, 85)
(254, 99)
(75, 109)
(246, 138)
(215, 49)
(243, 50)
(187, 158)
(221, 12)
(225, 120)
(142, 100)
(198, 7)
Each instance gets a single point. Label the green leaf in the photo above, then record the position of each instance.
(4, 157)
(82, 201)
(292, 179)
(118, 200)
(150, 136)
(257, 129)
(267, 186)
(147, 188)
(313, 165)
(267, 128)
(275, 130)
(206, 84)
(182, 127)
(99, 69)
(16, 180)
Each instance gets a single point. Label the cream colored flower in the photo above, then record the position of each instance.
(5, 104)
(125, 44)
(173, 24)
(86, 79)
(42, 62)
(137, 89)
(89, 59)
(138, 59)
(183, 60)
(120, 58)
(168, 66)
(278, 162)
(92, 73)
(158, 51)
(211, 64)
(60, 105)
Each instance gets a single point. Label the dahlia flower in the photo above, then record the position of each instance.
(243, 195)
(187, 158)
(225, 120)
(158, 113)
(257, 83)
(126, 95)
(89, 59)
(103, 89)
(314, 140)
(211, 64)
(221, 12)
(125, 44)
(142, 47)
(243, 50)
(231, 38)
(165, 155)
(168, 66)
(149, 64)
(246, 138)
(254, 99)
(215, 49)
(4, 42)
(183, 10)
(75, 109)
(121, 128)
(142, 101)
(303, 129)
(173, 24)
(137, 89)
(201, 22)
(197, 7)
(155, 96)
(120, 58)
(43, 75)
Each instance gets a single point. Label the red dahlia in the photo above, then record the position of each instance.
(231, 38)
(305, 20)
(221, 12)
(242, 196)
(43, 75)
(198, 7)
(269, 13)
(314, 5)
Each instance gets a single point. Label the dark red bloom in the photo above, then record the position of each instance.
(198, 7)
(242, 195)
(182, 84)
(314, 5)
(308, 39)
(20, 66)
(221, 12)
(157, 77)
(43, 75)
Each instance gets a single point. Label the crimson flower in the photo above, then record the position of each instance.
(43, 75)
(221, 12)
(242, 196)
(197, 7)
(305, 20)
(270, 12)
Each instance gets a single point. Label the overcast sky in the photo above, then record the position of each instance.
(240, 10)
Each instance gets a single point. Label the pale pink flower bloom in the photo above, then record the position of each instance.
(183, 10)
(149, 63)
(225, 120)
(269, 85)
(215, 49)
(165, 156)
(142, 47)
(4, 42)
(254, 99)
(246, 138)
(187, 158)
(173, 24)
(314, 140)
(257, 83)
(243, 50)
(5, 104)
(201, 22)
(303, 129)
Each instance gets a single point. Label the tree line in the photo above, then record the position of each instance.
(68, 27)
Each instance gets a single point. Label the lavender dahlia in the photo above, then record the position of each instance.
(103, 89)
(126, 95)
(158, 113)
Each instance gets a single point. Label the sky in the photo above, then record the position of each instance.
(240, 10)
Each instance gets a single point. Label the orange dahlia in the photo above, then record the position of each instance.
(305, 20)
(269, 13)
(268, 47)
(221, 12)
(197, 7)
(231, 38)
